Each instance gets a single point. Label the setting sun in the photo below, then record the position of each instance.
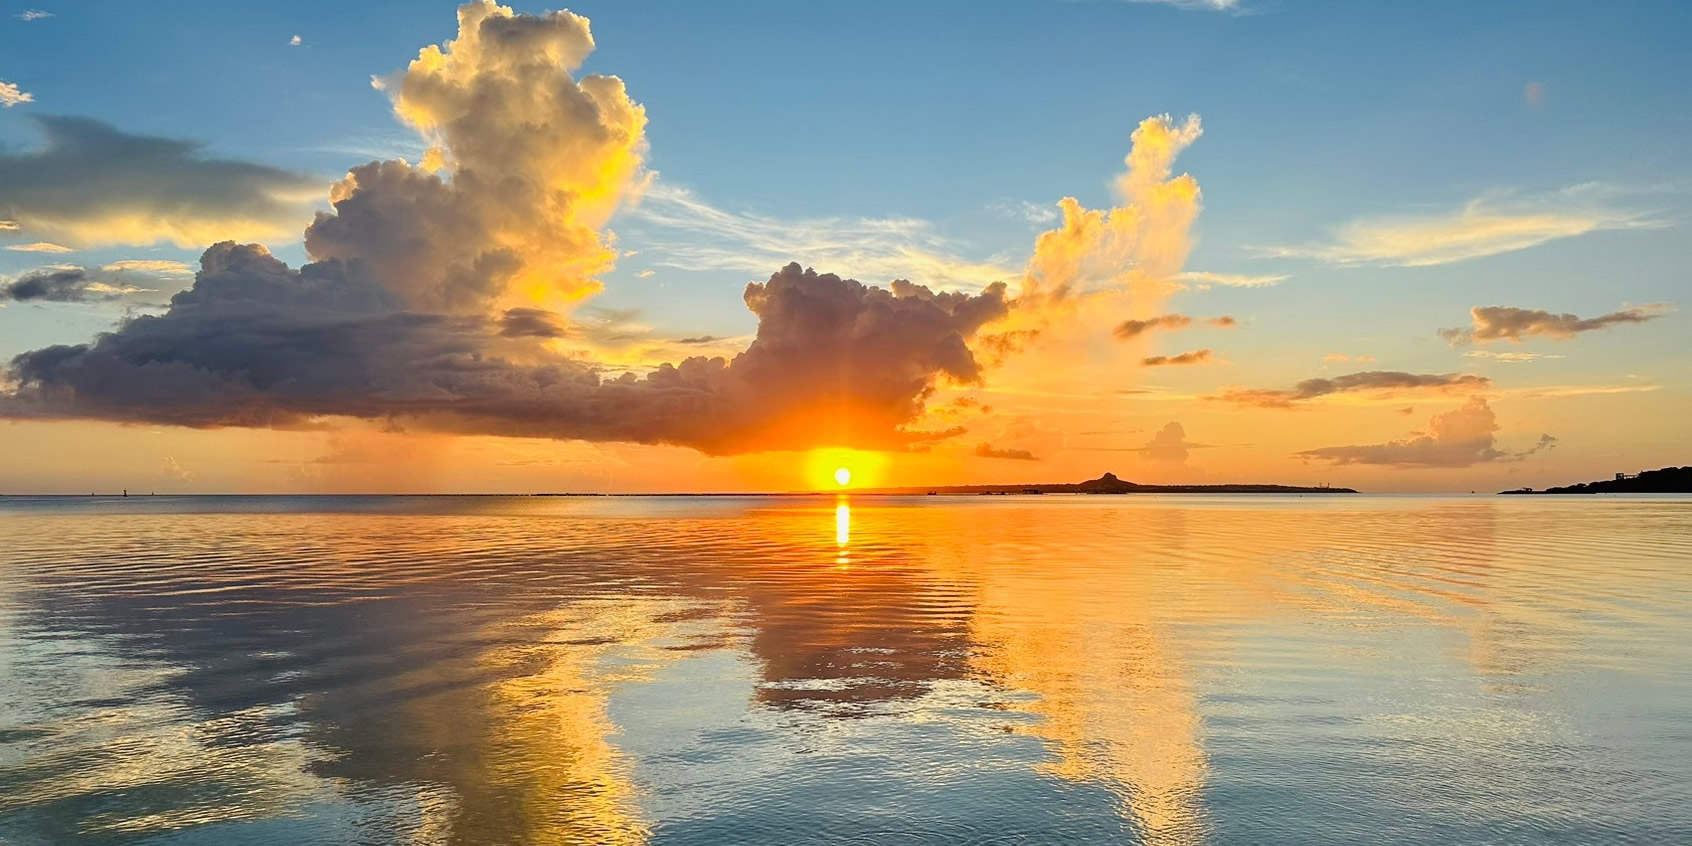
(833, 468)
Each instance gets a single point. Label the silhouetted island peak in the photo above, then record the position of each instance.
(1109, 483)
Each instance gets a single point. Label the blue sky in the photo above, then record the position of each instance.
(967, 122)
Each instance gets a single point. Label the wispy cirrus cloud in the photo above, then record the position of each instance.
(28, 15)
(161, 267)
(684, 231)
(39, 247)
(1204, 279)
(1508, 357)
(1486, 226)
(1039, 214)
(1207, 5)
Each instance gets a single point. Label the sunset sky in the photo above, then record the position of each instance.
(1399, 247)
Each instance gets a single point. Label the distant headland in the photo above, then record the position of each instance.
(1108, 484)
(1666, 480)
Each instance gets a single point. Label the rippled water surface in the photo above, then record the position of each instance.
(1016, 670)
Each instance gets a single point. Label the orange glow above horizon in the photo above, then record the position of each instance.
(839, 467)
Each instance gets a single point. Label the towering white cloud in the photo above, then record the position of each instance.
(526, 165)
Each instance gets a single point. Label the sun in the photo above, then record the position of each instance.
(843, 468)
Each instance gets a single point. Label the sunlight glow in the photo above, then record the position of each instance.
(833, 468)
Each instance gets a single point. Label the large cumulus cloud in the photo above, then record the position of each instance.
(256, 343)
(527, 164)
(443, 294)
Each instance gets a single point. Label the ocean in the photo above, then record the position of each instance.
(1202, 669)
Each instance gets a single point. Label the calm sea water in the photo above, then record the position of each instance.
(975, 670)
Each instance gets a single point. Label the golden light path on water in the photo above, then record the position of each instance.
(1158, 670)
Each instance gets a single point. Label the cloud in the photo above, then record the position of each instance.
(1135, 328)
(1129, 329)
(533, 323)
(1339, 357)
(1205, 279)
(1144, 241)
(1170, 444)
(1492, 323)
(1041, 214)
(984, 450)
(1462, 437)
(175, 472)
(28, 15)
(1510, 357)
(92, 184)
(11, 95)
(447, 295)
(1383, 382)
(688, 233)
(1486, 226)
(1533, 95)
(66, 285)
(294, 41)
(40, 247)
(160, 267)
(256, 343)
(1190, 357)
(1211, 5)
(526, 164)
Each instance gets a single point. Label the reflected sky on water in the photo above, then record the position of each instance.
(1158, 670)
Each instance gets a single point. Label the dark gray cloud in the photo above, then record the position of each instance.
(1459, 438)
(256, 343)
(985, 450)
(93, 184)
(1369, 381)
(1135, 328)
(1189, 357)
(533, 323)
(1492, 323)
(1169, 322)
(72, 285)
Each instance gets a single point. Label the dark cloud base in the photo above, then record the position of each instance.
(256, 343)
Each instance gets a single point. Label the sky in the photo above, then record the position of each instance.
(666, 246)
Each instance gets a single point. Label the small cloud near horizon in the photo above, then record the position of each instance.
(986, 450)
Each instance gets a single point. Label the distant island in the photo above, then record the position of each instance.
(1666, 480)
(1108, 484)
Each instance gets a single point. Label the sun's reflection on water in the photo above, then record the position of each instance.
(560, 672)
(842, 531)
